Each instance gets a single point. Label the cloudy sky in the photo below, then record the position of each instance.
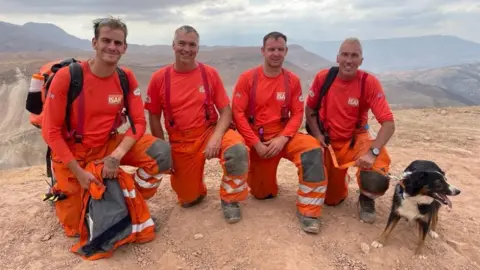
(244, 22)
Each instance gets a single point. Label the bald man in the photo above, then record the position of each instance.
(339, 121)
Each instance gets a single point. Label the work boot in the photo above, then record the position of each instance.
(195, 202)
(309, 224)
(367, 209)
(231, 212)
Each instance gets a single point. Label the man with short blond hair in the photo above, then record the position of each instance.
(339, 121)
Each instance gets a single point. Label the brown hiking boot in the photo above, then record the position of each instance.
(367, 209)
(309, 224)
(231, 212)
(195, 202)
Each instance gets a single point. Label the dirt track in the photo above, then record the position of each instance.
(269, 236)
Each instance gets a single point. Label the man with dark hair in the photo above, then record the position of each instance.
(274, 36)
(189, 94)
(341, 125)
(268, 110)
(91, 134)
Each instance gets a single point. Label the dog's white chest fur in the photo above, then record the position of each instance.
(409, 206)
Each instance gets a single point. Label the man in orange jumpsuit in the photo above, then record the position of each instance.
(189, 93)
(93, 119)
(344, 116)
(268, 109)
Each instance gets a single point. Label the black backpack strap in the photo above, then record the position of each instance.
(331, 75)
(48, 160)
(124, 83)
(76, 85)
(252, 97)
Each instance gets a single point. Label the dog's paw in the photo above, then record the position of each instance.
(377, 244)
(433, 234)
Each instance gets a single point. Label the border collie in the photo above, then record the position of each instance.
(418, 197)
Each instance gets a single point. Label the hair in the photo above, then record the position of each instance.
(352, 40)
(113, 23)
(187, 29)
(274, 35)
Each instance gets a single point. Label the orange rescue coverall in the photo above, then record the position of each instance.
(339, 113)
(303, 150)
(103, 100)
(189, 132)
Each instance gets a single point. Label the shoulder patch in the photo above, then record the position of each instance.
(136, 92)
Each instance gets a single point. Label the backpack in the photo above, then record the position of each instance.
(331, 75)
(285, 110)
(211, 114)
(35, 100)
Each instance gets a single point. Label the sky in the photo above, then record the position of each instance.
(245, 22)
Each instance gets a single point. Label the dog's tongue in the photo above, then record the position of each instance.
(446, 199)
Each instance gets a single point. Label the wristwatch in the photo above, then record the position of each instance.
(375, 151)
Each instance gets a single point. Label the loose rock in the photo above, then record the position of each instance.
(365, 248)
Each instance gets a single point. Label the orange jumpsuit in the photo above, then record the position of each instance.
(190, 132)
(339, 113)
(103, 102)
(303, 150)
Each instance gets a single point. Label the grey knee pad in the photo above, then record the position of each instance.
(374, 182)
(161, 152)
(236, 160)
(312, 165)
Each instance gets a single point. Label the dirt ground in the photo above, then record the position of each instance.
(269, 236)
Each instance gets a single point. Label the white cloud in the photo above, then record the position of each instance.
(245, 22)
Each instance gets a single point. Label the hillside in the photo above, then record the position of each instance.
(457, 85)
(269, 236)
(395, 54)
(452, 86)
(17, 68)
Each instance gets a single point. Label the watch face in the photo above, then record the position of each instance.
(376, 151)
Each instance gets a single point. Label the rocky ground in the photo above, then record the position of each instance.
(269, 237)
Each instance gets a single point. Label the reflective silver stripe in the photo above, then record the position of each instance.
(231, 190)
(144, 184)
(235, 180)
(90, 226)
(311, 201)
(140, 227)
(129, 194)
(306, 189)
(144, 175)
(238, 182)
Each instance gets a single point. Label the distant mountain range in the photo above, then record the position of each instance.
(396, 54)
(381, 55)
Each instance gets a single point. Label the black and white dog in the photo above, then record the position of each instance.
(418, 197)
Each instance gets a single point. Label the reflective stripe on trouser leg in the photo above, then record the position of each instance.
(141, 226)
(147, 184)
(233, 188)
(313, 182)
(234, 161)
(310, 198)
